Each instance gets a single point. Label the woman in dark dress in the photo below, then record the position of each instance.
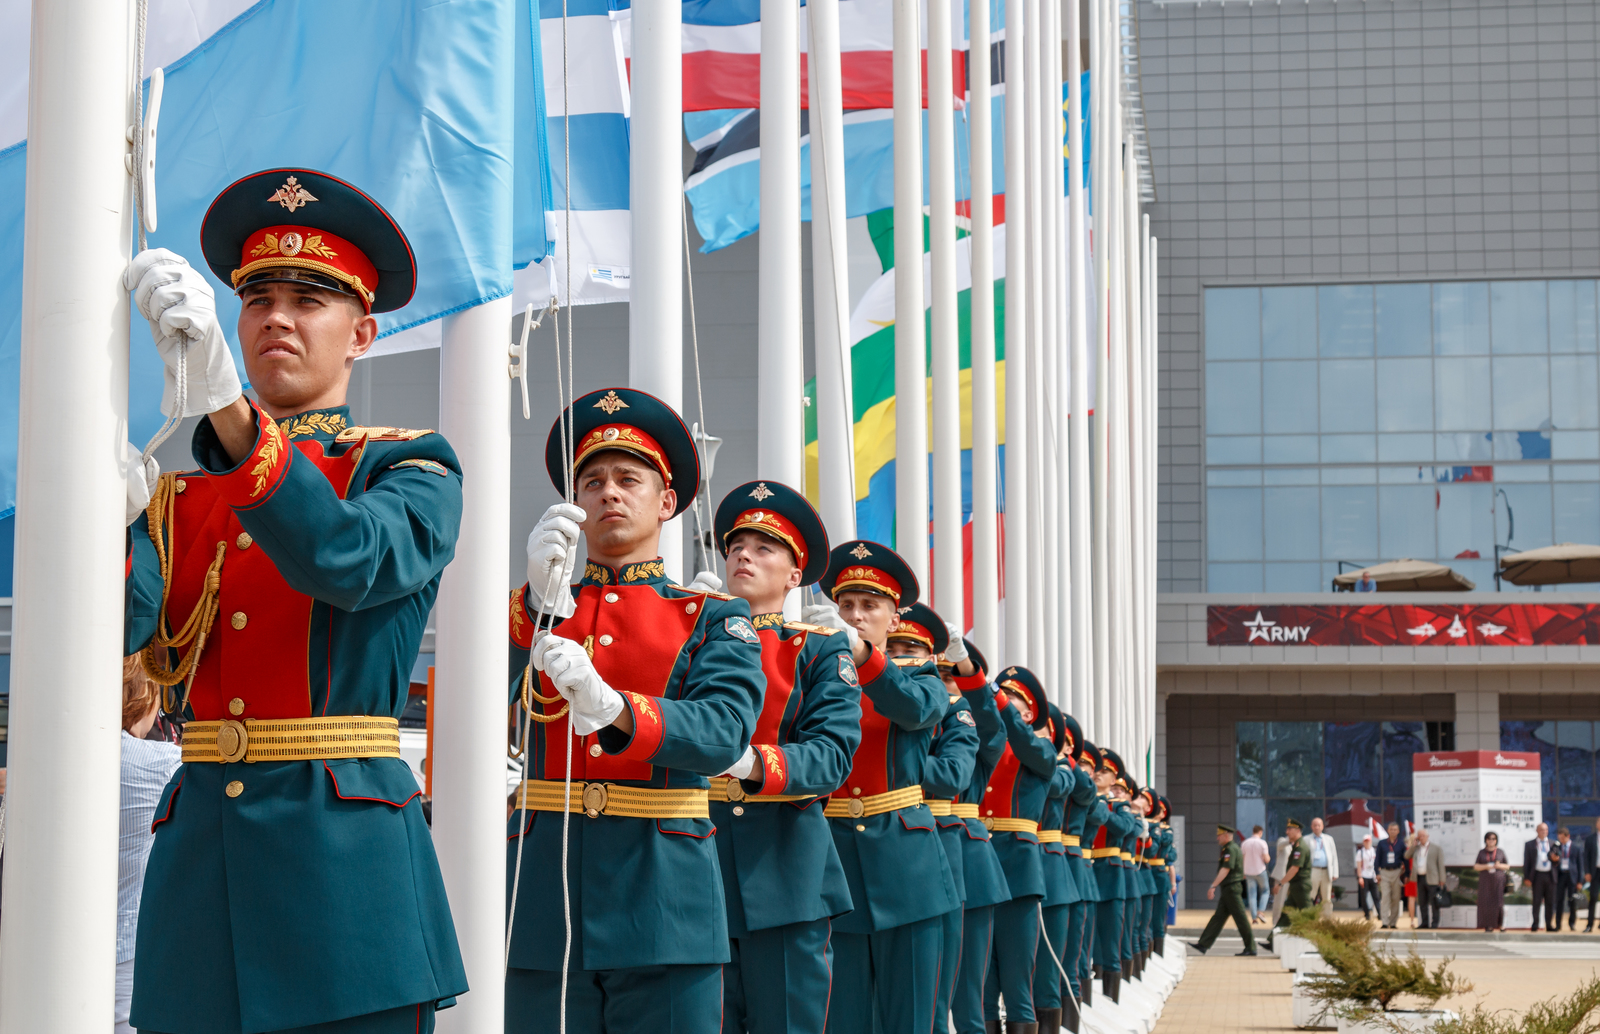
(1491, 868)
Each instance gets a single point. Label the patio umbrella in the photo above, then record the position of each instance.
(1552, 565)
(1409, 576)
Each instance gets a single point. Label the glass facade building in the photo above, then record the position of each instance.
(1372, 422)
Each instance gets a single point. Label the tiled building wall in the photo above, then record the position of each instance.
(1322, 142)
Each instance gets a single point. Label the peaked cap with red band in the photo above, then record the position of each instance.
(781, 513)
(862, 566)
(303, 226)
(622, 419)
(919, 624)
(1017, 679)
(1074, 732)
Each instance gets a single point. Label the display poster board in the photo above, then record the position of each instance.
(1460, 796)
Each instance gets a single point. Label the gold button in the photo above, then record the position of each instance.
(236, 706)
(611, 597)
(861, 829)
(234, 788)
(855, 789)
(738, 810)
(691, 608)
(238, 619)
(798, 640)
(594, 750)
(988, 789)
(988, 813)
(605, 640)
(180, 486)
(244, 540)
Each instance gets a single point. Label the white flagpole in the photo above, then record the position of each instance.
(1152, 427)
(780, 380)
(1060, 476)
(1051, 416)
(1080, 504)
(1134, 266)
(910, 379)
(985, 618)
(1100, 155)
(58, 947)
(1017, 557)
(949, 582)
(1038, 648)
(830, 287)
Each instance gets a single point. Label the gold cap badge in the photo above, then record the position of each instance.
(292, 195)
(610, 403)
(761, 492)
(861, 552)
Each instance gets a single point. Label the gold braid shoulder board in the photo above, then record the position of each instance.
(161, 514)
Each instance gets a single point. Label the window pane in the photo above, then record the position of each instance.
(1400, 741)
(1522, 393)
(1233, 323)
(1402, 320)
(1250, 744)
(1575, 445)
(1294, 761)
(1460, 319)
(1346, 395)
(1349, 448)
(1249, 812)
(1507, 472)
(1405, 521)
(1534, 737)
(1470, 446)
(1353, 759)
(1574, 392)
(1461, 394)
(1575, 472)
(1244, 449)
(1233, 478)
(1574, 759)
(1344, 320)
(1290, 448)
(1522, 445)
(1530, 505)
(1292, 531)
(1405, 448)
(1233, 398)
(1466, 519)
(1293, 476)
(1294, 578)
(1405, 394)
(1572, 316)
(1233, 524)
(1577, 512)
(1519, 316)
(1350, 523)
(1289, 397)
(1281, 810)
(1349, 475)
(1233, 577)
(1289, 322)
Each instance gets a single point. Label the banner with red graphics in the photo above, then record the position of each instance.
(1497, 624)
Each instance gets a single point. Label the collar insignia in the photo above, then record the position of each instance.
(861, 552)
(610, 403)
(761, 492)
(292, 195)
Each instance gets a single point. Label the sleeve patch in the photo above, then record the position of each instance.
(741, 628)
(847, 671)
(430, 466)
(965, 718)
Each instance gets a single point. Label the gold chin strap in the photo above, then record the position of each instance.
(160, 514)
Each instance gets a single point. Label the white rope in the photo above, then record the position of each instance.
(1066, 987)
(700, 403)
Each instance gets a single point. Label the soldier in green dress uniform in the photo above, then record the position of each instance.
(1227, 889)
(1296, 875)
(280, 589)
(659, 687)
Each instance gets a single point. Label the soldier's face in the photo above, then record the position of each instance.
(760, 568)
(625, 502)
(906, 648)
(299, 344)
(1104, 778)
(871, 615)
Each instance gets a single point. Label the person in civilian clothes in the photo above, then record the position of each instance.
(780, 869)
(1569, 876)
(659, 687)
(1052, 999)
(1110, 873)
(1391, 864)
(1087, 813)
(1013, 804)
(886, 951)
(920, 635)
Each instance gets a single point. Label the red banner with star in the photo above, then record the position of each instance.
(1500, 624)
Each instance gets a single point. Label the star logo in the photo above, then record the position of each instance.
(292, 195)
(762, 493)
(1259, 628)
(1456, 629)
(1423, 630)
(610, 403)
(1489, 628)
(861, 552)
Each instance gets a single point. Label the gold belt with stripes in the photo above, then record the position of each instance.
(725, 789)
(614, 799)
(941, 809)
(1003, 825)
(964, 811)
(1070, 839)
(877, 804)
(1050, 836)
(291, 739)
(1104, 852)
(1127, 856)
(1159, 863)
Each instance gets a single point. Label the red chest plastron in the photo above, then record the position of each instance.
(997, 795)
(779, 654)
(869, 769)
(634, 635)
(256, 652)
(1100, 837)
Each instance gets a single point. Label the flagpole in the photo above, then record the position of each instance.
(780, 379)
(1081, 661)
(1134, 265)
(1152, 424)
(58, 942)
(1038, 648)
(1047, 153)
(1099, 156)
(830, 281)
(1060, 477)
(655, 326)
(910, 361)
(985, 532)
(1017, 491)
(949, 581)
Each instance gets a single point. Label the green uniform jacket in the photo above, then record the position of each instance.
(1086, 813)
(1299, 895)
(1114, 837)
(985, 879)
(645, 892)
(948, 772)
(1060, 882)
(1018, 788)
(313, 894)
(1232, 860)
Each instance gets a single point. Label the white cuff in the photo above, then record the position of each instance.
(746, 764)
(611, 705)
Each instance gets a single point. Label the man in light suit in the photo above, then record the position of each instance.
(1324, 865)
(1427, 864)
(1280, 864)
(1538, 872)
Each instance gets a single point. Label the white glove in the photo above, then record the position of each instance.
(595, 705)
(956, 652)
(827, 615)
(705, 581)
(746, 764)
(182, 310)
(552, 552)
(142, 476)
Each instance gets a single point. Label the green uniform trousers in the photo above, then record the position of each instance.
(1108, 935)
(1016, 949)
(638, 1000)
(1046, 976)
(409, 1019)
(1298, 896)
(1080, 938)
(950, 926)
(1230, 902)
(778, 980)
(892, 973)
(977, 945)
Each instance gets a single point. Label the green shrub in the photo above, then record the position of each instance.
(1364, 983)
(1579, 1013)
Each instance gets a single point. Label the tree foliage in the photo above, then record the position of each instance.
(1578, 1013)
